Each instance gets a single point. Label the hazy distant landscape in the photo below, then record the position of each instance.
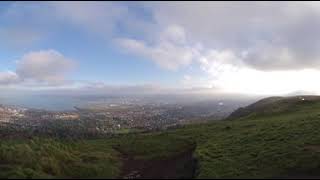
(108, 114)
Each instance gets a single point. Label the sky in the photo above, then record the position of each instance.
(255, 48)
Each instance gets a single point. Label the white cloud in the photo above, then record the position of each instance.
(8, 78)
(275, 35)
(174, 34)
(169, 51)
(216, 62)
(224, 73)
(249, 47)
(250, 81)
(40, 68)
(47, 66)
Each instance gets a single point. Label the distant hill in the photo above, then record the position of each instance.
(274, 105)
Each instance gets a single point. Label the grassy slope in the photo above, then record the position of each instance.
(260, 145)
(48, 158)
(267, 145)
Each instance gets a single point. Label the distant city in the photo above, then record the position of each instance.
(116, 115)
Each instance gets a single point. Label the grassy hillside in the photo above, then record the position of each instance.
(48, 158)
(94, 158)
(281, 143)
(276, 105)
(275, 137)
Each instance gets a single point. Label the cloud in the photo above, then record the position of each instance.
(275, 35)
(169, 51)
(227, 72)
(234, 44)
(8, 78)
(216, 62)
(46, 67)
(255, 47)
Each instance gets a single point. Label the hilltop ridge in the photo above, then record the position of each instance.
(274, 104)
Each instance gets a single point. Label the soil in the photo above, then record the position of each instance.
(181, 166)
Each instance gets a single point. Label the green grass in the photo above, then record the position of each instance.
(48, 158)
(277, 143)
(260, 146)
(127, 130)
(94, 158)
(153, 146)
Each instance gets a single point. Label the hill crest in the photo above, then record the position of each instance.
(274, 104)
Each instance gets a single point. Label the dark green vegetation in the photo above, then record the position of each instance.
(84, 158)
(275, 137)
(48, 158)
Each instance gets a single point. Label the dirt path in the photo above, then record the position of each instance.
(179, 166)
